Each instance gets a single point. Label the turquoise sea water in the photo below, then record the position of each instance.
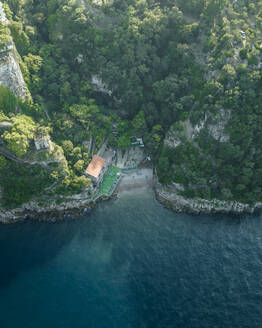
(132, 263)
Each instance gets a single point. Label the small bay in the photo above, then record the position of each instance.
(132, 263)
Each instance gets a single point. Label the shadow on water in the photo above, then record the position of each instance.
(25, 246)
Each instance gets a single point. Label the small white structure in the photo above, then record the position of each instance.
(140, 141)
(42, 143)
(137, 142)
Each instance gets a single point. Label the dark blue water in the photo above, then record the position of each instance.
(132, 263)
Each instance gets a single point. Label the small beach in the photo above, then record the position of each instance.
(137, 178)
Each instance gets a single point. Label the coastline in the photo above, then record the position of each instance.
(69, 208)
(178, 203)
(50, 211)
(77, 205)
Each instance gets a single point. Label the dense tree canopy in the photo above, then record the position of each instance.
(147, 68)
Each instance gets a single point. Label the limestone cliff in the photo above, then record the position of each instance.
(11, 75)
(10, 72)
(211, 152)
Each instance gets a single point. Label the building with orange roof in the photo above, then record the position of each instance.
(95, 168)
(98, 166)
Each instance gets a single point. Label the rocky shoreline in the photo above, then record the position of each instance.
(51, 211)
(77, 205)
(171, 199)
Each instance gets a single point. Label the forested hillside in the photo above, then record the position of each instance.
(183, 74)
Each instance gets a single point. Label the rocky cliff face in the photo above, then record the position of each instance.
(182, 134)
(213, 124)
(10, 72)
(11, 75)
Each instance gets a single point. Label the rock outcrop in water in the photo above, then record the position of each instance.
(170, 198)
(49, 210)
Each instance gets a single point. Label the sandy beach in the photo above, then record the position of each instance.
(136, 179)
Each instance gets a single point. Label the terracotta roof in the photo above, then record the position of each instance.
(95, 166)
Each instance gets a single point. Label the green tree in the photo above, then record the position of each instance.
(17, 143)
(79, 166)
(8, 100)
(123, 142)
(139, 123)
(3, 162)
(23, 128)
(67, 146)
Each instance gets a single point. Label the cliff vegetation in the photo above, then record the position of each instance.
(183, 75)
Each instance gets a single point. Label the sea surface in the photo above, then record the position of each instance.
(131, 263)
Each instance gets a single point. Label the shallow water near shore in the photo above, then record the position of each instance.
(132, 263)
